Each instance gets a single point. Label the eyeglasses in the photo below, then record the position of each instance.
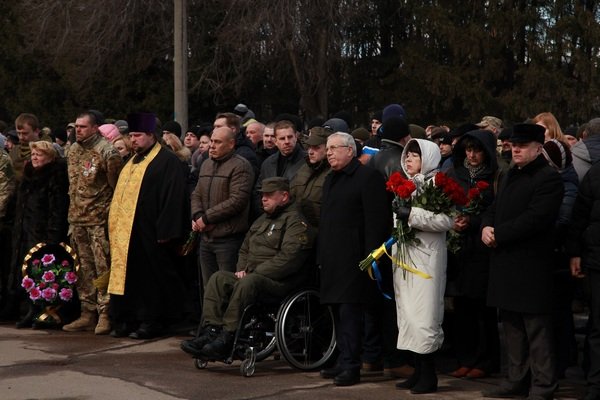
(335, 146)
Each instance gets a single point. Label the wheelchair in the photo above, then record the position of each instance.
(300, 328)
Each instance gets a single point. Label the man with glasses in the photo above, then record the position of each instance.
(355, 219)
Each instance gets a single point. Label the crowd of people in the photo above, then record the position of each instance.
(168, 225)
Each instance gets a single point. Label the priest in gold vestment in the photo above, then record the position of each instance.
(149, 215)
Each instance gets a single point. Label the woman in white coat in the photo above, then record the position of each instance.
(420, 301)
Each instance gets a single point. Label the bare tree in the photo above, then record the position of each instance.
(82, 37)
(301, 36)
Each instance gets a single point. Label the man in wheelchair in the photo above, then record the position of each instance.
(271, 263)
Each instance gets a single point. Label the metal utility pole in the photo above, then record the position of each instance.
(180, 64)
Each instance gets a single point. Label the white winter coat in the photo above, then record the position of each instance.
(419, 301)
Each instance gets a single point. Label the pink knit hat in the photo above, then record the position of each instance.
(109, 131)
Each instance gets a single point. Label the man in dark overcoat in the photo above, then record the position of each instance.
(518, 228)
(583, 245)
(356, 218)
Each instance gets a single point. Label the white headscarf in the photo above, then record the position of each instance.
(430, 159)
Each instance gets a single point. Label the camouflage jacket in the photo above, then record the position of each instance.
(94, 167)
(20, 155)
(7, 182)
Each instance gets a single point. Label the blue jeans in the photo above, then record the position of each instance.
(220, 254)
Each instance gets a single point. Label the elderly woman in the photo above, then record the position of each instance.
(419, 301)
(42, 206)
(476, 340)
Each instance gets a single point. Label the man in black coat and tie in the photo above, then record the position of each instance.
(356, 218)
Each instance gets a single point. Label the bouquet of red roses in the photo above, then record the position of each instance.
(473, 206)
(439, 195)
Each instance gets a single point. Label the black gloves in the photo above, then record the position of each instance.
(402, 213)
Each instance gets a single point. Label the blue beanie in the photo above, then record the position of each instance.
(393, 110)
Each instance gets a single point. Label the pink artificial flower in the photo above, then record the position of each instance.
(71, 277)
(48, 259)
(36, 262)
(48, 276)
(27, 283)
(65, 294)
(42, 285)
(65, 263)
(35, 294)
(49, 294)
(55, 286)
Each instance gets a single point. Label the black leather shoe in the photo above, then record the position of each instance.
(347, 377)
(330, 373)
(121, 329)
(220, 347)
(147, 331)
(504, 393)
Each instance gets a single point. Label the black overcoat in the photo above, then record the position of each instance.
(42, 207)
(356, 218)
(523, 215)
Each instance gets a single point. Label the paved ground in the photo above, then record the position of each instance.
(54, 365)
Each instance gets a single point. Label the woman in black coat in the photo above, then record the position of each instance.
(476, 340)
(42, 206)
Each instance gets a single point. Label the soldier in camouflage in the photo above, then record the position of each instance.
(94, 166)
(28, 130)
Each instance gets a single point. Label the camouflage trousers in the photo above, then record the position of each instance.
(91, 245)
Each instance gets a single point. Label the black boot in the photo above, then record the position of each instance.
(32, 312)
(414, 378)
(428, 381)
(207, 335)
(220, 348)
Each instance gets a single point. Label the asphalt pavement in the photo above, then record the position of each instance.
(56, 365)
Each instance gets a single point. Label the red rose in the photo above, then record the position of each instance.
(473, 193)
(440, 179)
(394, 181)
(405, 190)
(482, 185)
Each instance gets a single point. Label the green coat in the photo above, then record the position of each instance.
(278, 246)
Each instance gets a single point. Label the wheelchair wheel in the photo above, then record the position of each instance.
(247, 368)
(200, 364)
(257, 330)
(269, 348)
(305, 331)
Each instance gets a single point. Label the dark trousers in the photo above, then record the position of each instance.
(593, 339)
(220, 254)
(349, 322)
(226, 296)
(476, 339)
(381, 335)
(530, 351)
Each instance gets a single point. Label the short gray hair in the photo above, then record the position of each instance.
(593, 127)
(347, 140)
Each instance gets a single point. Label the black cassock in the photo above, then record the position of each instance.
(153, 288)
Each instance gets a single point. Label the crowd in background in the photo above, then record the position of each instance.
(535, 232)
